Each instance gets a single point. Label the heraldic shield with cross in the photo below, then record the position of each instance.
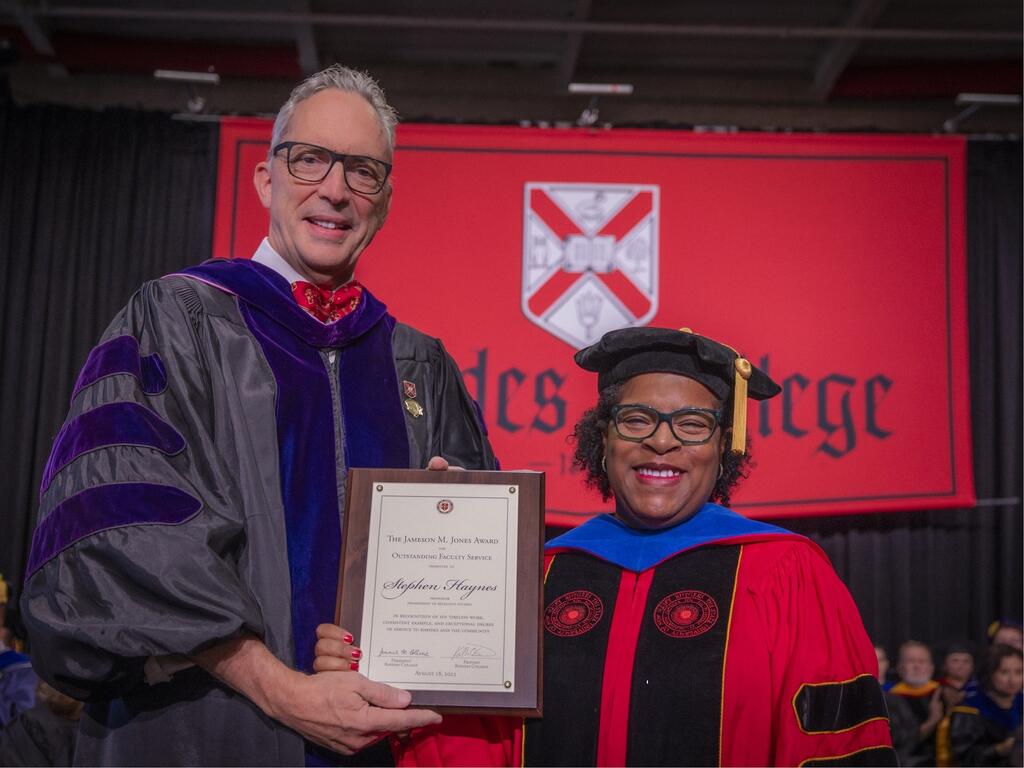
(590, 258)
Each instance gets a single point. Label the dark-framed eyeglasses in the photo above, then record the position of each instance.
(690, 426)
(310, 162)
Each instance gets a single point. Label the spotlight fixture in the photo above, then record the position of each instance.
(602, 89)
(972, 102)
(195, 102)
(988, 99)
(183, 76)
(589, 116)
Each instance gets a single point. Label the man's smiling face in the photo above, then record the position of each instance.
(321, 228)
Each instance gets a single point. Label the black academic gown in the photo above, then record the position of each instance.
(195, 493)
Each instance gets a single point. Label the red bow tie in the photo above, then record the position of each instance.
(325, 304)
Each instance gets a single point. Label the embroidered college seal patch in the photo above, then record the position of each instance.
(573, 614)
(686, 614)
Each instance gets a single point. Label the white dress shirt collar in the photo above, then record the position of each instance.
(268, 257)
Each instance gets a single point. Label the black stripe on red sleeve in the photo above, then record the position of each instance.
(839, 706)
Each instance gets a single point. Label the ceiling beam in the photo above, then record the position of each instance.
(36, 36)
(526, 25)
(309, 58)
(567, 68)
(445, 55)
(830, 66)
(30, 28)
(422, 96)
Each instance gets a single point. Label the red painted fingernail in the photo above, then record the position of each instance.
(347, 638)
(354, 666)
(356, 653)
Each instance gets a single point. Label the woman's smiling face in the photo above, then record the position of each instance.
(658, 481)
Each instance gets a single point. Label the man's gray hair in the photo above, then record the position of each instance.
(344, 79)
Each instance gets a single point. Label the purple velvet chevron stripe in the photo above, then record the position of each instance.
(121, 355)
(109, 425)
(105, 507)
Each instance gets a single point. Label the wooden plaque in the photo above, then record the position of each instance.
(441, 585)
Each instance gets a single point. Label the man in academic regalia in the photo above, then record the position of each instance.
(922, 696)
(190, 527)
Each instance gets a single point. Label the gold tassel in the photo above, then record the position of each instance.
(739, 405)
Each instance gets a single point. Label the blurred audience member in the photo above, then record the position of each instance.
(957, 678)
(17, 680)
(45, 734)
(883, 665)
(903, 726)
(902, 723)
(5, 596)
(986, 728)
(922, 694)
(1006, 632)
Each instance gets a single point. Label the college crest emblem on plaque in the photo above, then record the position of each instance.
(590, 258)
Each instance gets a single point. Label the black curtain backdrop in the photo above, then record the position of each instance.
(94, 203)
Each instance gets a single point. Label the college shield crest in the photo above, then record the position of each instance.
(590, 258)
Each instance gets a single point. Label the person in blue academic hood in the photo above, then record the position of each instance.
(17, 678)
(17, 684)
(985, 729)
(676, 631)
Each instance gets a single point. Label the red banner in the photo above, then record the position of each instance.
(836, 263)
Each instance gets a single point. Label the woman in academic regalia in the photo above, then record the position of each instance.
(678, 632)
(983, 730)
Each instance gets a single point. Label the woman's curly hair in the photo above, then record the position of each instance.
(589, 432)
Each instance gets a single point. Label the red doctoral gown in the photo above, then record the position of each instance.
(720, 641)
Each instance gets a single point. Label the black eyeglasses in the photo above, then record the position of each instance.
(310, 162)
(690, 426)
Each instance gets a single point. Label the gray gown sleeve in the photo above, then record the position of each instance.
(141, 530)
